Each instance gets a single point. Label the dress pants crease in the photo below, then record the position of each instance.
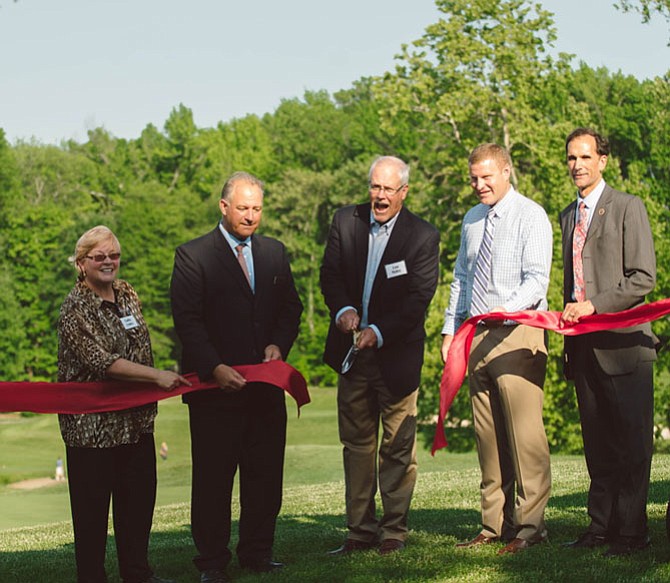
(616, 413)
(371, 461)
(126, 475)
(507, 369)
(246, 431)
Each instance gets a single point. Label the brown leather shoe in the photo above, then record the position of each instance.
(350, 545)
(519, 544)
(390, 545)
(480, 539)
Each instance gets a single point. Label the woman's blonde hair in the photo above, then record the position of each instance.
(87, 242)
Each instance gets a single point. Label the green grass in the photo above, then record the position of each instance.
(36, 537)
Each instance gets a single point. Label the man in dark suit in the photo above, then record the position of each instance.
(234, 302)
(379, 273)
(609, 266)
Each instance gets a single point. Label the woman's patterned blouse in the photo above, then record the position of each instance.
(90, 338)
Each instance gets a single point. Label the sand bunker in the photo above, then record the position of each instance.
(34, 484)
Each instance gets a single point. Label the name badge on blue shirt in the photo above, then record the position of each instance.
(395, 269)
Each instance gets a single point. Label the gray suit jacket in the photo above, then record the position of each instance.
(619, 270)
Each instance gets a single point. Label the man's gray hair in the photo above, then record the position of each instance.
(403, 167)
(236, 177)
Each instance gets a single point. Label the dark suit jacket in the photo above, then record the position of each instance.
(619, 270)
(397, 304)
(217, 317)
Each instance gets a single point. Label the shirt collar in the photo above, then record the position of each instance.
(592, 198)
(500, 208)
(86, 291)
(233, 241)
(376, 226)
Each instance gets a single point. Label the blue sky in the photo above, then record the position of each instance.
(67, 66)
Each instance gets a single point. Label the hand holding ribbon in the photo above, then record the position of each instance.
(96, 397)
(455, 367)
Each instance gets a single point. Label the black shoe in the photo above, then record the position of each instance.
(262, 565)
(627, 545)
(214, 576)
(588, 540)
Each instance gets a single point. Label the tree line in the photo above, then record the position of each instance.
(481, 73)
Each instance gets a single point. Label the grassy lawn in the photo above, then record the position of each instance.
(36, 538)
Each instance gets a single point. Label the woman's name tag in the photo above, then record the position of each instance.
(129, 322)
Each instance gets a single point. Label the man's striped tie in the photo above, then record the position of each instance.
(480, 286)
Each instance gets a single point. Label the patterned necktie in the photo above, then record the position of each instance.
(480, 286)
(578, 239)
(243, 262)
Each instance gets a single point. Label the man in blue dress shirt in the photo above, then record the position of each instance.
(503, 265)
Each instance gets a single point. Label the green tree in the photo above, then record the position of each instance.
(363, 127)
(13, 342)
(41, 241)
(480, 74)
(150, 223)
(241, 144)
(298, 210)
(53, 202)
(646, 8)
(9, 178)
(310, 133)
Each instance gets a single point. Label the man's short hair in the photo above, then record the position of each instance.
(490, 152)
(403, 167)
(602, 145)
(236, 177)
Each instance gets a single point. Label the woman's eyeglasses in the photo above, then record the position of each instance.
(100, 257)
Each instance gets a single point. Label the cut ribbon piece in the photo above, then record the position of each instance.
(96, 397)
(457, 359)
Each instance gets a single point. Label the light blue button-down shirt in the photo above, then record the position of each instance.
(246, 252)
(520, 264)
(378, 239)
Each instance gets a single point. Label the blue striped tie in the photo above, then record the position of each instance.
(480, 286)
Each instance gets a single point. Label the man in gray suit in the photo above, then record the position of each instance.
(609, 266)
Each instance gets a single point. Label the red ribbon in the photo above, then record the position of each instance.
(457, 358)
(116, 395)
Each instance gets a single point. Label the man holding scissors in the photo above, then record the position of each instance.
(378, 275)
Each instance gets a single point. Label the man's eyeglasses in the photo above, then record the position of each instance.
(100, 257)
(377, 188)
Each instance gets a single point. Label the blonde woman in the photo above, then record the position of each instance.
(102, 335)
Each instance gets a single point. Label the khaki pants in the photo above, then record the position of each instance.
(506, 369)
(363, 400)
